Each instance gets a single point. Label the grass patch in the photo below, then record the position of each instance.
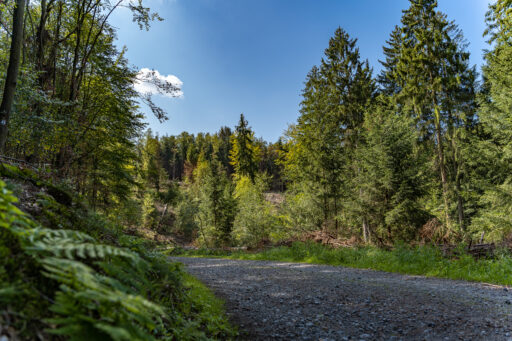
(420, 260)
(208, 311)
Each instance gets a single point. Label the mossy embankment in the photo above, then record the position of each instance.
(67, 272)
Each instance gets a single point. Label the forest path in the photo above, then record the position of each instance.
(293, 301)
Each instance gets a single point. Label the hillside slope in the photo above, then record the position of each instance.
(68, 273)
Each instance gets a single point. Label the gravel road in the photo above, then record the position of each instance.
(290, 301)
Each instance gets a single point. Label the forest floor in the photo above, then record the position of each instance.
(283, 301)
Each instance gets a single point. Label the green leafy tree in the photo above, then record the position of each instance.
(255, 218)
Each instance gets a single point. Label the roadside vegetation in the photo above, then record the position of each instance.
(69, 273)
(426, 260)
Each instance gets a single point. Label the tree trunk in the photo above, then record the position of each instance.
(336, 213)
(457, 171)
(80, 23)
(53, 55)
(12, 71)
(460, 204)
(442, 169)
(366, 232)
(40, 44)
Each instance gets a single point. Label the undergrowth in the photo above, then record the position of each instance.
(420, 260)
(68, 273)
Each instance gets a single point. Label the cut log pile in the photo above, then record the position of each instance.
(320, 237)
(475, 250)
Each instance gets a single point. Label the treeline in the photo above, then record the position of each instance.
(419, 151)
(213, 186)
(179, 155)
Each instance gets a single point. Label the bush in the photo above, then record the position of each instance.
(186, 212)
(255, 218)
(300, 212)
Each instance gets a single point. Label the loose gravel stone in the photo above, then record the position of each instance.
(293, 301)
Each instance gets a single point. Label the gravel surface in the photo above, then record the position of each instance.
(293, 301)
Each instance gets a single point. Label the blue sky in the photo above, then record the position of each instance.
(252, 56)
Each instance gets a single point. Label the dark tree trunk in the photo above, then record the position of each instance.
(12, 71)
(444, 180)
(460, 204)
(40, 43)
(442, 166)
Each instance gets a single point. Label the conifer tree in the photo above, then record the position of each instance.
(217, 208)
(335, 97)
(223, 148)
(389, 180)
(244, 153)
(427, 68)
(387, 78)
(496, 119)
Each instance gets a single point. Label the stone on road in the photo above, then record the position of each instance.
(293, 301)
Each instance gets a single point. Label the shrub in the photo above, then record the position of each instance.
(255, 218)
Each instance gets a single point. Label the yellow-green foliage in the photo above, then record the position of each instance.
(255, 218)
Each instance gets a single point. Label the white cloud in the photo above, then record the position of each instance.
(151, 82)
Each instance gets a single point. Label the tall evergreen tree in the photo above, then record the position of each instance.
(335, 97)
(223, 148)
(244, 153)
(427, 67)
(496, 119)
(387, 77)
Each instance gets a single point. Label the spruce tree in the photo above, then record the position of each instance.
(389, 181)
(428, 71)
(387, 81)
(496, 119)
(218, 206)
(335, 97)
(244, 153)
